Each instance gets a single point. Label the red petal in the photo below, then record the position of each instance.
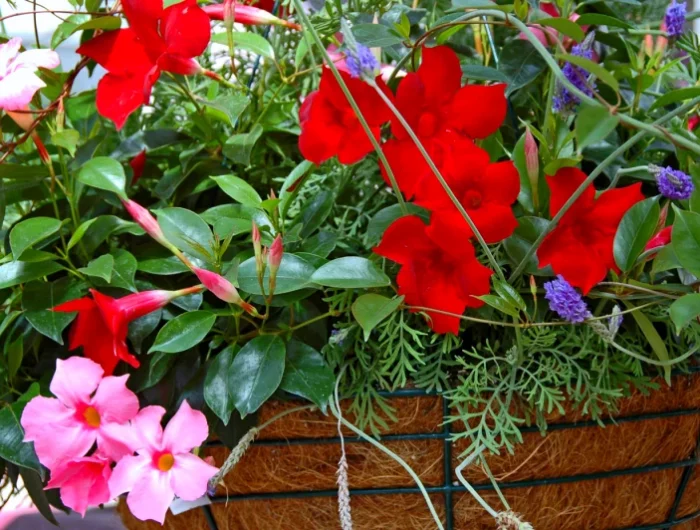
(119, 96)
(474, 279)
(144, 17)
(438, 292)
(186, 29)
(478, 111)
(138, 164)
(495, 223)
(80, 304)
(410, 97)
(562, 186)
(440, 73)
(661, 239)
(611, 206)
(449, 231)
(355, 144)
(405, 241)
(178, 64)
(501, 183)
(407, 164)
(320, 136)
(117, 51)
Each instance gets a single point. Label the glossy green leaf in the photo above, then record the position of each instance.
(104, 173)
(375, 35)
(371, 309)
(350, 272)
(683, 310)
(183, 332)
(565, 26)
(500, 304)
(187, 231)
(29, 232)
(685, 239)
(516, 246)
(655, 341)
(49, 323)
(34, 485)
(596, 19)
(675, 96)
(521, 63)
(217, 393)
(306, 374)
(227, 108)
(124, 271)
(252, 42)
(68, 139)
(12, 447)
(636, 228)
(294, 274)
(158, 367)
(105, 23)
(594, 68)
(101, 267)
(593, 125)
(508, 293)
(80, 232)
(17, 272)
(257, 372)
(238, 189)
(239, 146)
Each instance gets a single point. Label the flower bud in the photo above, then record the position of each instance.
(229, 13)
(661, 239)
(257, 247)
(146, 221)
(274, 259)
(533, 287)
(532, 164)
(223, 289)
(648, 45)
(248, 15)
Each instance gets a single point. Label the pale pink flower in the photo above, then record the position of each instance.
(18, 80)
(145, 220)
(164, 466)
(274, 255)
(83, 482)
(90, 408)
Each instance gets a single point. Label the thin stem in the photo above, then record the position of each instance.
(672, 362)
(356, 109)
(441, 179)
(283, 414)
(458, 470)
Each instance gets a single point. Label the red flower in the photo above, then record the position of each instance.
(580, 248)
(437, 107)
(157, 40)
(138, 164)
(485, 190)
(436, 274)
(693, 122)
(661, 239)
(329, 126)
(102, 323)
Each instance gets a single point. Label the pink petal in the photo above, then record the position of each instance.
(75, 380)
(40, 412)
(33, 59)
(151, 496)
(63, 442)
(114, 401)
(127, 473)
(117, 440)
(190, 475)
(8, 52)
(148, 429)
(18, 88)
(83, 483)
(186, 430)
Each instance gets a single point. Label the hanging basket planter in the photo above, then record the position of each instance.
(635, 471)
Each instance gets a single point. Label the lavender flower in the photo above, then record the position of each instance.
(362, 62)
(673, 183)
(564, 100)
(566, 301)
(675, 19)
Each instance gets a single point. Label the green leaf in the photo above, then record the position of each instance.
(593, 125)
(685, 239)
(521, 63)
(655, 341)
(142, 327)
(12, 447)
(216, 385)
(477, 72)
(105, 22)
(350, 273)
(227, 108)
(384, 217)
(158, 366)
(371, 309)
(34, 485)
(124, 271)
(636, 228)
(49, 323)
(80, 232)
(66, 29)
(565, 26)
(316, 212)
(375, 35)
(252, 42)
(306, 374)
(508, 293)
(29, 232)
(596, 19)
(321, 244)
(22, 171)
(188, 232)
(238, 189)
(100, 267)
(68, 139)
(239, 146)
(17, 272)
(257, 372)
(104, 173)
(294, 274)
(500, 304)
(516, 246)
(675, 96)
(183, 332)
(594, 68)
(683, 310)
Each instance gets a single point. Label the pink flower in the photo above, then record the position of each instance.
(90, 408)
(222, 289)
(274, 255)
(18, 82)
(83, 482)
(164, 466)
(145, 220)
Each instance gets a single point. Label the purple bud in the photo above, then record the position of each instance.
(675, 19)
(566, 301)
(362, 62)
(673, 183)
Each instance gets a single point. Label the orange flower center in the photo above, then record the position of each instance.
(427, 124)
(92, 417)
(471, 199)
(166, 462)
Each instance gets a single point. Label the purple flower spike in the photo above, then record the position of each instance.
(362, 62)
(675, 19)
(564, 100)
(673, 183)
(566, 301)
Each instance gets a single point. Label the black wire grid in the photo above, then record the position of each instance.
(450, 486)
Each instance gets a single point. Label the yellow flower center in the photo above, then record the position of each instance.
(166, 462)
(92, 417)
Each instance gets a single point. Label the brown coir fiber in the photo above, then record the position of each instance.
(601, 504)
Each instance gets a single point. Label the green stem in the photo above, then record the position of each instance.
(441, 179)
(672, 362)
(356, 109)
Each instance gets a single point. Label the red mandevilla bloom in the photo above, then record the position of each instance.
(580, 248)
(441, 112)
(485, 190)
(102, 323)
(438, 275)
(156, 40)
(329, 126)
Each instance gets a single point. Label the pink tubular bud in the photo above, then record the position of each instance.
(146, 221)
(532, 164)
(661, 239)
(274, 256)
(248, 15)
(257, 247)
(649, 45)
(229, 13)
(222, 289)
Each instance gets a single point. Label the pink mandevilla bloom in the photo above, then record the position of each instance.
(88, 408)
(164, 465)
(83, 482)
(18, 80)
